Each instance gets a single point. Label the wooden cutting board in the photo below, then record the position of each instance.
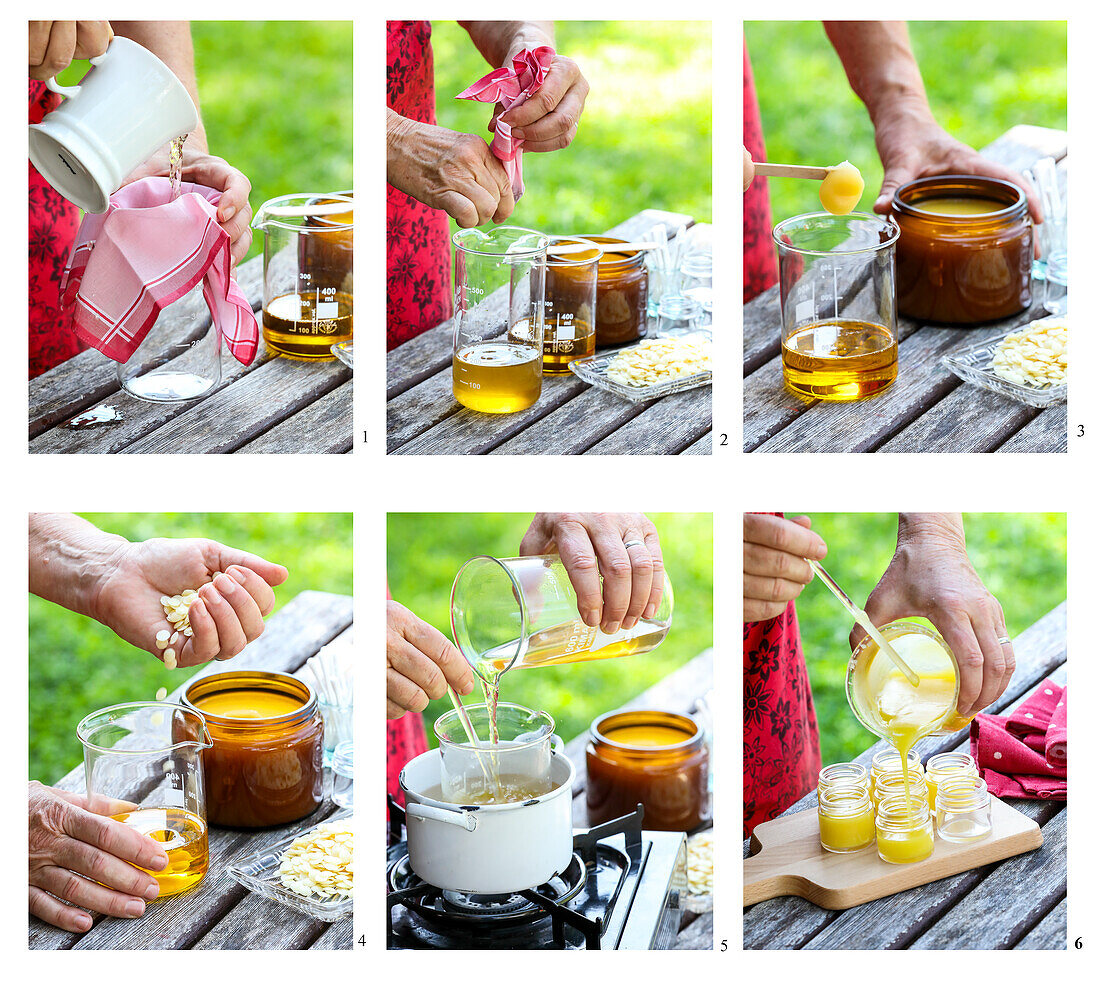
(788, 860)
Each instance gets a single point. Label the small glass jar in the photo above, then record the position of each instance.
(904, 830)
(965, 252)
(945, 765)
(678, 314)
(892, 782)
(890, 760)
(964, 809)
(845, 818)
(657, 758)
(343, 775)
(622, 291)
(265, 766)
(846, 775)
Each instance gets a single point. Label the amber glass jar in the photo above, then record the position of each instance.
(622, 293)
(966, 257)
(265, 767)
(658, 758)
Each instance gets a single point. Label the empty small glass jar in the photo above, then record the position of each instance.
(964, 809)
(343, 774)
(678, 314)
(698, 269)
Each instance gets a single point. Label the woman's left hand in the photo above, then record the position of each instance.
(201, 168)
(548, 119)
(931, 576)
(592, 544)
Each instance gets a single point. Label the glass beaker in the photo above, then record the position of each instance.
(146, 758)
(500, 281)
(509, 612)
(513, 769)
(180, 359)
(837, 299)
(307, 274)
(569, 324)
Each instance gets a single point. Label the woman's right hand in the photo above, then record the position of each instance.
(80, 855)
(775, 569)
(447, 170)
(748, 169)
(53, 45)
(420, 663)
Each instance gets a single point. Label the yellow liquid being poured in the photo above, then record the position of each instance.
(902, 713)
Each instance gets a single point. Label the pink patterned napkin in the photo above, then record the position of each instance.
(511, 88)
(145, 252)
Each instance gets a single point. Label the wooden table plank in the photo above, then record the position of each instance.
(698, 936)
(701, 447)
(669, 425)
(775, 421)
(424, 418)
(245, 409)
(322, 427)
(1048, 432)
(895, 921)
(1049, 933)
(309, 621)
(252, 405)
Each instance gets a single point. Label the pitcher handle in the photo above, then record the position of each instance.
(74, 90)
(557, 744)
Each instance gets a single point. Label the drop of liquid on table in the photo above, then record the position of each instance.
(103, 414)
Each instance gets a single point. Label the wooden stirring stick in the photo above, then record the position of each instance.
(791, 171)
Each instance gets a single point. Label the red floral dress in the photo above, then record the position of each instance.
(782, 755)
(761, 267)
(418, 249)
(53, 225)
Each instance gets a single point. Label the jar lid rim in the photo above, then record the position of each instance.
(963, 182)
(597, 734)
(251, 679)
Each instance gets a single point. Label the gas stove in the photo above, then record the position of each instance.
(622, 889)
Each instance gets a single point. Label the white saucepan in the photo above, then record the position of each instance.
(487, 849)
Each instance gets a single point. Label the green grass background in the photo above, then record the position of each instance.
(276, 100)
(1021, 558)
(77, 665)
(645, 135)
(982, 78)
(425, 551)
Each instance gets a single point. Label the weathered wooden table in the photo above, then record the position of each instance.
(219, 913)
(274, 405)
(927, 409)
(1016, 903)
(570, 417)
(681, 691)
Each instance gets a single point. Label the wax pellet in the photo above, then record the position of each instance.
(841, 189)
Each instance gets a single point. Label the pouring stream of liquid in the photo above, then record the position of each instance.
(864, 622)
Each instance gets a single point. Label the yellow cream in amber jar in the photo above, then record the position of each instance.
(959, 207)
(248, 704)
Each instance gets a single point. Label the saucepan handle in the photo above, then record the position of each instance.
(455, 817)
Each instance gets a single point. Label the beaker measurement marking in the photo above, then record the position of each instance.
(474, 289)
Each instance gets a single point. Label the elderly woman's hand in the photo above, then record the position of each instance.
(202, 168)
(931, 576)
(53, 45)
(420, 663)
(227, 614)
(594, 544)
(912, 145)
(775, 569)
(80, 855)
(447, 170)
(548, 120)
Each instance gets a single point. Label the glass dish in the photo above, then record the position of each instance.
(259, 873)
(975, 365)
(594, 371)
(345, 352)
